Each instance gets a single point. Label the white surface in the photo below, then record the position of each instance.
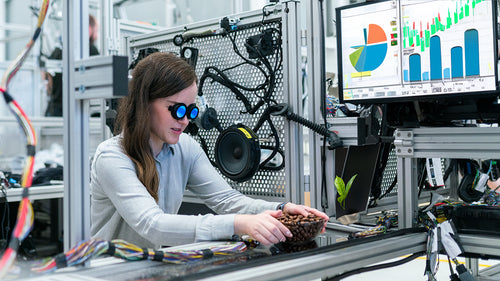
(413, 271)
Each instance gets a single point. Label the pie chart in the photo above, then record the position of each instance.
(369, 56)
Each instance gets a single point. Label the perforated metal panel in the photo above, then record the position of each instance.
(391, 171)
(389, 174)
(217, 51)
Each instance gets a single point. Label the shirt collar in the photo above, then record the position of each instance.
(166, 148)
(164, 152)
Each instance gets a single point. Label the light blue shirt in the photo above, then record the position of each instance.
(122, 208)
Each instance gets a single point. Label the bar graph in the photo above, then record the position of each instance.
(414, 33)
(470, 52)
(443, 48)
(435, 55)
(457, 62)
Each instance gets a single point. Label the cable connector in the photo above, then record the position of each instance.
(283, 109)
(464, 274)
(229, 24)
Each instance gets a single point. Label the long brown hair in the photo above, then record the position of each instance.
(156, 76)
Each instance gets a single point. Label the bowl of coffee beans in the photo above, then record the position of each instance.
(304, 229)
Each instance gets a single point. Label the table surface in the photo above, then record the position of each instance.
(35, 192)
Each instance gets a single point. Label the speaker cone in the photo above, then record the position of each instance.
(237, 153)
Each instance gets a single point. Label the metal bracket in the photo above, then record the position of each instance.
(101, 77)
(404, 143)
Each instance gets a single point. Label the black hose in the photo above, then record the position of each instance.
(375, 267)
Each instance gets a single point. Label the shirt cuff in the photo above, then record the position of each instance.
(213, 228)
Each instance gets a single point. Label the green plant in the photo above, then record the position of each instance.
(343, 189)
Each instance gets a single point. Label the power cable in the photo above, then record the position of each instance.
(87, 250)
(375, 267)
(25, 214)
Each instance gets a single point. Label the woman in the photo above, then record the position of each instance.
(138, 177)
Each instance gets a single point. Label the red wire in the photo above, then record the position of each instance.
(22, 219)
(20, 109)
(7, 253)
(29, 176)
(14, 102)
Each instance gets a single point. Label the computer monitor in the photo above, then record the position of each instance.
(407, 50)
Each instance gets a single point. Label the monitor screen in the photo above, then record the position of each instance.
(403, 50)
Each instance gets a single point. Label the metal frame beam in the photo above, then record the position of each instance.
(76, 142)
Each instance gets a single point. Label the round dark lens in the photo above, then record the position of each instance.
(194, 113)
(181, 111)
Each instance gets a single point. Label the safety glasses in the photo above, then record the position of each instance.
(179, 110)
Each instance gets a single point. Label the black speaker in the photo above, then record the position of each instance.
(466, 191)
(237, 153)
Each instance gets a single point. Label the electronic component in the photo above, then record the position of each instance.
(142, 54)
(229, 24)
(260, 45)
(191, 55)
(237, 153)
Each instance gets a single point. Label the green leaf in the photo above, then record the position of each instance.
(342, 189)
(340, 185)
(349, 183)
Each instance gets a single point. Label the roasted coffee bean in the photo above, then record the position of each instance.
(303, 228)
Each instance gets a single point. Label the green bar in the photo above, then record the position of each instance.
(448, 21)
(427, 38)
(422, 45)
(433, 29)
(461, 15)
(466, 10)
(417, 40)
(455, 17)
(405, 36)
(410, 42)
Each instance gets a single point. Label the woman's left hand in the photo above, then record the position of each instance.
(305, 211)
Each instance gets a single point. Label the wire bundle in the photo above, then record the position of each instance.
(378, 229)
(25, 214)
(389, 220)
(79, 254)
(86, 250)
(131, 252)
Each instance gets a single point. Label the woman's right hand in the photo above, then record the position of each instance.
(263, 227)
